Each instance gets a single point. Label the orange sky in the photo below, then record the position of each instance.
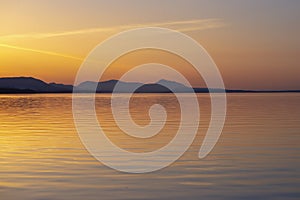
(255, 44)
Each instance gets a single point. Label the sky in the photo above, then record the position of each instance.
(255, 44)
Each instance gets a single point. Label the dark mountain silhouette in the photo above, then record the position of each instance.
(33, 85)
(123, 87)
(61, 87)
(107, 86)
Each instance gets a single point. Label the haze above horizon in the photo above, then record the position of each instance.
(255, 44)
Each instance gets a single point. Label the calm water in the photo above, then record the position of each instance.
(257, 155)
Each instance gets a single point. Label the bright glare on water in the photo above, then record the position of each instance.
(256, 157)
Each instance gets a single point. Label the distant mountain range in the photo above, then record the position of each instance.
(33, 85)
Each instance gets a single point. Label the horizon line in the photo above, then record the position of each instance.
(226, 89)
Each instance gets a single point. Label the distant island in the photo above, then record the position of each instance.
(30, 85)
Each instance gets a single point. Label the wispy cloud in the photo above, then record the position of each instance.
(41, 51)
(184, 26)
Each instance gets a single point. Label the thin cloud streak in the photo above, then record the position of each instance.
(41, 51)
(184, 26)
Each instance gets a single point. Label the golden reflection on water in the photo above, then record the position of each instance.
(257, 154)
(139, 110)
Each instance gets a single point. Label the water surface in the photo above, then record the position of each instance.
(257, 156)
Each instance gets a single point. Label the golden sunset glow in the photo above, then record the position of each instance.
(149, 99)
(44, 39)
